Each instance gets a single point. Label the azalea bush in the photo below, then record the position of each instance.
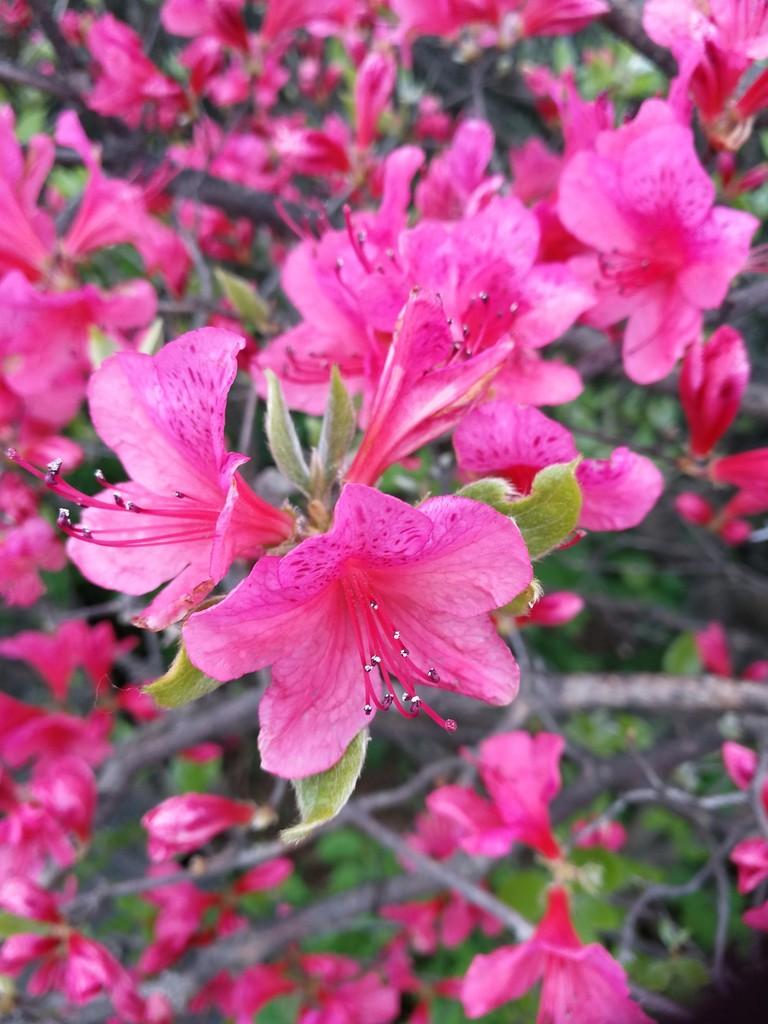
(382, 515)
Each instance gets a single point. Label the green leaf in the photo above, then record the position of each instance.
(12, 924)
(550, 513)
(182, 683)
(281, 434)
(249, 305)
(681, 658)
(338, 428)
(523, 603)
(320, 797)
(493, 491)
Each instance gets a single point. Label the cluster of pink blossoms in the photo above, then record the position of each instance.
(439, 302)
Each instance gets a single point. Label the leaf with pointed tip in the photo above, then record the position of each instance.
(321, 797)
(338, 428)
(281, 434)
(249, 305)
(181, 684)
(12, 924)
(549, 514)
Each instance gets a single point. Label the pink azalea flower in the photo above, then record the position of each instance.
(341, 992)
(128, 85)
(579, 983)
(25, 550)
(244, 996)
(748, 470)
(318, 17)
(712, 647)
(186, 514)
(456, 182)
(374, 83)
(221, 19)
(757, 917)
(665, 253)
(28, 733)
(714, 45)
(56, 655)
(522, 775)
(390, 591)
(712, 381)
(609, 835)
(323, 279)
(183, 823)
(426, 385)
(445, 921)
(553, 609)
(180, 911)
(26, 233)
(740, 763)
(516, 441)
(751, 859)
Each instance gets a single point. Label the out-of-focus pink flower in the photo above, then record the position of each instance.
(28, 733)
(757, 917)
(442, 922)
(578, 982)
(456, 182)
(751, 859)
(515, 441)
(128, 85)
(694, 509)
(610, 835)
(553, 609)
(221, 19)
(665, 253)
(713, 377)
(374, 83)
(183, 823)
(712, 646)
(392, 592)
(756, 672)
(740, 763)
(319, 17)
(522, 775)
(748, 470)
(25, 550)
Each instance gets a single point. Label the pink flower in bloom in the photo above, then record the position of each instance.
(183, 823)
(456, 182)
(343, 993)
(579, 983)
(24, 551)
(186, 513)
(323, 280)
(516, 441)
(713, 377)
(390, 591)
(222, 19)
(445, 921)
(712, 647)
(522, 775)
(643, 201)
(714, 45)
(128, 85)
(426, 385)
(28, 733)
(751, 859)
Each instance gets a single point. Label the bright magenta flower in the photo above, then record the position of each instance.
(665, 252)
(428, 381)
(712, 647)
(186, 514)
(579, 983)
(522, 775)
(713, 377)
(390, 592)
(183, 823)
(748, 470)
(553, 609)
(751, 859)
(516, 441)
